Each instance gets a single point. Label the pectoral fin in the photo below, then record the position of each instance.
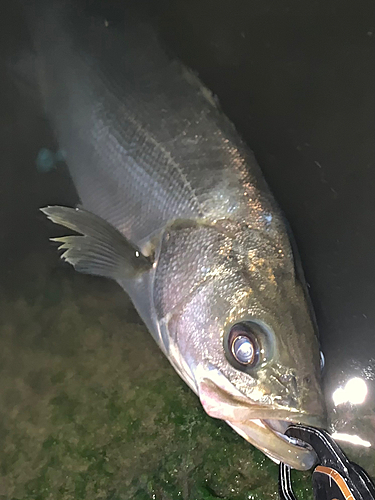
(101, 250)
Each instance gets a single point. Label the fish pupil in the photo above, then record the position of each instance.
(243, 349)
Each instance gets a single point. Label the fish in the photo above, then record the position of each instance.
(175, 209)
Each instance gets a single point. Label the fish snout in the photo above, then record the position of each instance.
(312, 402)
(313, 405)
(304, 395)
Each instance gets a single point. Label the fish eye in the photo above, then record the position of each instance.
(243, 345)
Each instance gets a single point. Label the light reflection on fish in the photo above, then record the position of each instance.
(175, 209)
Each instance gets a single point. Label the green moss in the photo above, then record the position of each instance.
(85, 415)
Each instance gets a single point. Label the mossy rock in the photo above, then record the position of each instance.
(91, 409)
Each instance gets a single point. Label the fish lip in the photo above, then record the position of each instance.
(269, 423)
(275, 444)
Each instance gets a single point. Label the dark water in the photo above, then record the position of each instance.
(297, 79)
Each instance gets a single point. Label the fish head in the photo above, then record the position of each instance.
(241, 333)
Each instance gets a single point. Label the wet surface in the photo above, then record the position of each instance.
(297, 79)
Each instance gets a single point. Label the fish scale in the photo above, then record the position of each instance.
(106, 117)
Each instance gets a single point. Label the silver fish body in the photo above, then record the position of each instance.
(175, 209)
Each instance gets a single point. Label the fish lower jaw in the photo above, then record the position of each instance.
(268, 435)
(279, 427)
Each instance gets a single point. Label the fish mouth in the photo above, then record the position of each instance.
(262, 425)
(268, 435)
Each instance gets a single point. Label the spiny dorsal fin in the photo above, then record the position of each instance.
(101, 250)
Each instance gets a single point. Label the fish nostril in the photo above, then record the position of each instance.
(286, 378)
(289, 380)
(307, 380)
